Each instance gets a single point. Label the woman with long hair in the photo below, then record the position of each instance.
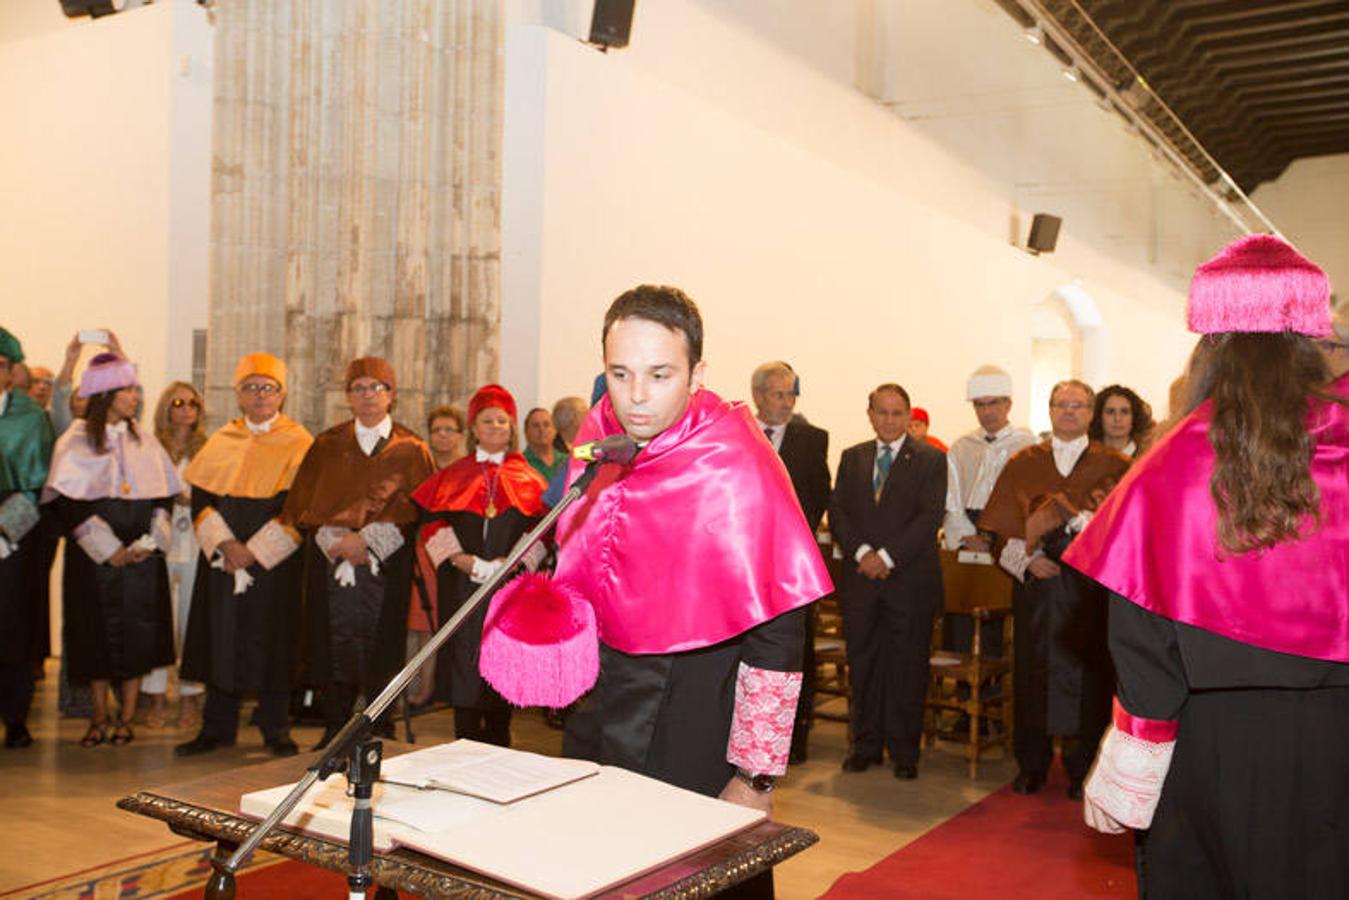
(1224, 550)
(477, 509)
(180, 426)
(1122, 421)
(113, 487)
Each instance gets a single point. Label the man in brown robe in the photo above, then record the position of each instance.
(1063, 676)
(352, 499)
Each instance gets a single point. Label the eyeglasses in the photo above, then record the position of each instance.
(1073, 407)
(365, 390)
(264, 388)
(179, 403)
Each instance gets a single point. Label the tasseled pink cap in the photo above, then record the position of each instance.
(539, 643)
(1259, 283)
(107, 372)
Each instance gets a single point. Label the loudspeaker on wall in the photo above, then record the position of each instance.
(611, 23)
(1044, 233)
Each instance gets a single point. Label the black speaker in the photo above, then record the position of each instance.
(1044, 233)
(611, 23)
(74, 9)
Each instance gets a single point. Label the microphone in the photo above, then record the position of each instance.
(617, 448)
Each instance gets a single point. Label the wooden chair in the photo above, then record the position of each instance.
(831, 663)
(985, 593)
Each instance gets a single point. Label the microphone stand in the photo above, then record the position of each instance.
(352, 752)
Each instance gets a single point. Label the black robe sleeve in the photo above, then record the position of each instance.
(1148, 665)
(777, 645)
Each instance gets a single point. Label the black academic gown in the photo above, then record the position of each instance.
(668, 715)
(1256, 802)
(118, 620)
(247, 642)
(457, 673)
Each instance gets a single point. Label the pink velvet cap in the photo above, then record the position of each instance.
(540, 646)
(1259, 283)
(107, 372)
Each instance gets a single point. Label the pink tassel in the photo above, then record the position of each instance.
(540, 646)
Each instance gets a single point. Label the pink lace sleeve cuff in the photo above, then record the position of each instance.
(442, 544)
(97, 540)
(761, 729)
(1158, 730)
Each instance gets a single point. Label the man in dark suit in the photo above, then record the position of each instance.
(804, 450)
(887, 505)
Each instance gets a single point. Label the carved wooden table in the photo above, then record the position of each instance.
(205, 809)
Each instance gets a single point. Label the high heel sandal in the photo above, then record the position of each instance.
(97, 734)
(122, 734)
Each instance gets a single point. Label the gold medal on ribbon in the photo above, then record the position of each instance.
(491, 511)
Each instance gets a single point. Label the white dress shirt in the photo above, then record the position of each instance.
(266, 426)
(774, 433)
(368, 438)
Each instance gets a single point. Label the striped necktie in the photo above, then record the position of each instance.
(883, 461)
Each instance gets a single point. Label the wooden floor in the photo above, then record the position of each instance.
(59, 797)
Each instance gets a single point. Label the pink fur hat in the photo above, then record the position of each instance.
(1259, 283)
(107, 372)
(539, 643)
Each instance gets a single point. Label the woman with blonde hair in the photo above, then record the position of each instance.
(180, 425)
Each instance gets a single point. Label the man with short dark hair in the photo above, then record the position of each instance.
(352, 496)
(1063, 677)
(699, 584)
(885, 512)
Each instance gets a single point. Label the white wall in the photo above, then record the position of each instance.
(808, 222)
(105, 180)
(1310, 204)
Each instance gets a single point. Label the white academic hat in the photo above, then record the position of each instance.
(988, 381)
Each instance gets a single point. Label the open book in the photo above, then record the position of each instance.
(597, 829)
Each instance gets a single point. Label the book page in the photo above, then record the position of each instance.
(482, 770)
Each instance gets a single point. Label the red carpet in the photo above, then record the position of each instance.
(1007, 846)
(285, 881)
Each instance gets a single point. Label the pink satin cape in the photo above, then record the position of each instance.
(1154, 541)
(699, 540)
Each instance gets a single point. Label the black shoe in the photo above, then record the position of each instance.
(283, 746)
(1075, 789)
(329, 733)
(1026, 783)
(797, 756)
(17, 736)
(860, 762)
(202, 743)
(906, 773)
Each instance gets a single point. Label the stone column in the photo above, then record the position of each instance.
(356, 197)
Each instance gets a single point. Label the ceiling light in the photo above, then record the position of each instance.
(1072, 73)
(1035, 34)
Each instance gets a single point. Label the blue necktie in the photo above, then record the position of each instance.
(882, 468)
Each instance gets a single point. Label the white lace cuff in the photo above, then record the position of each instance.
(382, 539)
(272, 544)
(328, 537)
(533, 556)
(1014, 559)
(1126, 782)
(211, 531)
(18, 515)
(161, 529)
(96, 539)
(761, 728)
(483, 569)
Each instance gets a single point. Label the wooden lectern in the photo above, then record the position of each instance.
(206, 809)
